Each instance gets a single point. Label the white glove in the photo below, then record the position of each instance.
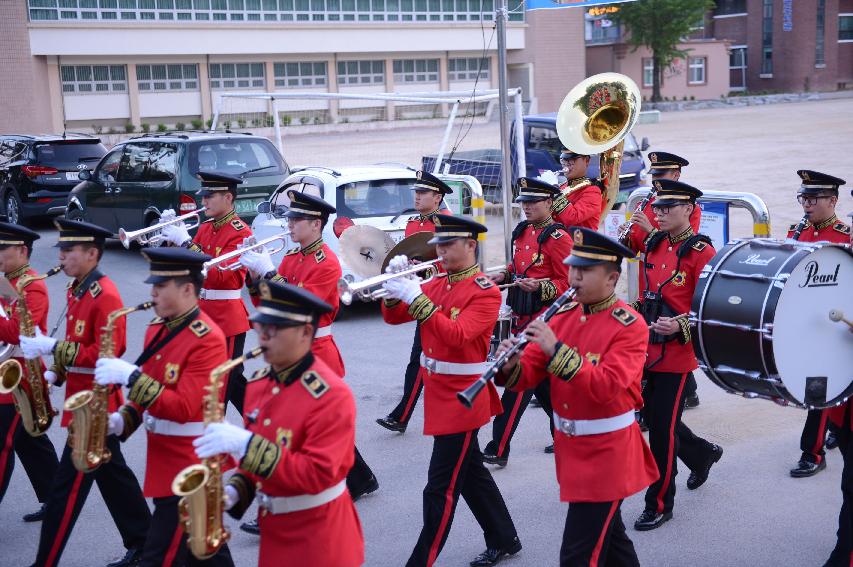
(404, 289)
(259, 263)
(113, 371)
(36, 346)
(116, 424)
(231, 496)
(176, 233)
(221, 438)
(549, 177)
(168, 214)
(50, 377)
(397, 264)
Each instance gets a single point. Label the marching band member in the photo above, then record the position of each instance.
(539, 246)
(166, 387)
(457, 314)
(298, 445)
(592, 352)
(36, 453)
(581, 200)
(674, 258)
(429, 192)
(223, 232)
(91, 297)
(818, 196)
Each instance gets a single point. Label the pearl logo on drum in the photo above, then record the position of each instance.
(814, 277)
(757, 260)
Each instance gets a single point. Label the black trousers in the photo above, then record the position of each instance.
(595, 535)
(121, 493)
(514, 404)
(814, 436)
(166, 544)
(456, 467)
(669, 438)
(235, 392)
(842, 555)
(36, 453)
(412, 385)
(359, 475)
(690, 387)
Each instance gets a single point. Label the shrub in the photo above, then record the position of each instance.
(227, 124)
(146, 127)
(161, 128)
(241, 123)
(285, 120)
(97, 128)
(129, 128)
(112, 130)
(303, 120)
(269, 121)
(209, 123)
(180, 126)
(196, 124)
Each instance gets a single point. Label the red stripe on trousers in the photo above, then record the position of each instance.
(448, 503)
(8, 442)
(169, 558)
(508, 431)
(671, 450)
(407, 411)
(821, 434)
(596, 551)
(66, 519)
(229, 344)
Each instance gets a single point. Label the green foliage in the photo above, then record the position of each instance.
(196, 124)
(129, 128)
(161, 128)
(180, 126)
(146, 127)
(285, 120)
(209, 123)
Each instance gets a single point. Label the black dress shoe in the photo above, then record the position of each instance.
(691, 402)
(698, 477)
(494, 554)
(535, 403)
(371, 486)
(807, 468)
(251, 527)
(650, 520)
(495, 460)
(549, 450)
(831, 441)
(36, 516)
(132, 557)
(392, 424)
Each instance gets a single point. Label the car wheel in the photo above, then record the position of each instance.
(75, 215)
(12, 207)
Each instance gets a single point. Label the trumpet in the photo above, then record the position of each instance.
(142, 235)
(370, 289)
(221, 262)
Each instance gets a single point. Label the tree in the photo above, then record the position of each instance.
(661, 25)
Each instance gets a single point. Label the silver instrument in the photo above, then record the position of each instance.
(150, 235)
(221, 262)
(370, 289)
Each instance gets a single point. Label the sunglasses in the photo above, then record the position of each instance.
(811, 200)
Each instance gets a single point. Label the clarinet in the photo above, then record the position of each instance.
(799, 228)
(470, 393)
(623, 236)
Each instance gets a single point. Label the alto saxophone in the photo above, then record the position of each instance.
(31, 394)
(200, 486)
(87, 434)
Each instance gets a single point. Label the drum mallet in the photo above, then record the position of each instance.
(837, 315)
(677, 317)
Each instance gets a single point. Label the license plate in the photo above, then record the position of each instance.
(247, 205)
(72, 175)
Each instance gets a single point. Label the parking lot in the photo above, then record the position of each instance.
(749, 512)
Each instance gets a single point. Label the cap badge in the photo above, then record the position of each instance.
(653, 157)
(420, 174)
(578, 238)
(524, 182)
(806, 176)
(264, 288)
(657, 185)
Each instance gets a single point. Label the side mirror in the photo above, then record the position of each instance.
(84, 175)
(264, 207)
(644, 145)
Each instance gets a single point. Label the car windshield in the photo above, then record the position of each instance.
(70, 154)
(631, 144)
(376, 198)
(235, 157)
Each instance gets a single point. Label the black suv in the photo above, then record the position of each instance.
(38, 172)
(141, 177)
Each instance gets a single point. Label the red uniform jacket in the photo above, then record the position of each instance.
(636, 236)
(659, 276)
(172, 387)
(316, 269)
(595, 374)
(457, 314)
(580, 204)
(90, 302)
(830, 230)
(423, 223)
(35, 296)
(303, 421)
(217, 237)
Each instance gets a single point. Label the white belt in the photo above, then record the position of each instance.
(219, 294)
(577, 427)
(166, 427)
(288, 504)
(79, 370)
(460, 368)
(323, 331)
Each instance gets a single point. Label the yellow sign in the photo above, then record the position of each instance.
(602, 10)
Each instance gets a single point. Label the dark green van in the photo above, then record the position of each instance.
(141, 177)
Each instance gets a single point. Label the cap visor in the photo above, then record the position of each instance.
(265, 319)
(670, 202)
(442, 239)
(573, 260)
(204, 193)
(529, 199)
(157, 279)
(290, 214)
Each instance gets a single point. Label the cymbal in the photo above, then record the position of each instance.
(415, 247)
(364, 247)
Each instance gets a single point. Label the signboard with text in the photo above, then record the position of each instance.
(554, 4)
(714, 223)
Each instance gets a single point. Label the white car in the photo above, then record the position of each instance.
(377, 195)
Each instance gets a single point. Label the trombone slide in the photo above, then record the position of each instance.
(370, 289)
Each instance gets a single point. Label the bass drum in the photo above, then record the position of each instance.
(762, 321)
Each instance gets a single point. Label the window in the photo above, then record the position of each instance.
(151, 78)
(375, 198)
(93, 79)
(726, 7)
(737, 68)
(468, 68)
(696, 70)
(305, 74)
(150, 162)
(601, 29)
(361, 72)
(543, 138)
(416, 71)
(821, 33)
(767, 39)
(236, 157)
(237, 76)
(845, 27)
(648, 72)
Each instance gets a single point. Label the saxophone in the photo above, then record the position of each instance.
(87, 434)
(31, 395)
(200, 486)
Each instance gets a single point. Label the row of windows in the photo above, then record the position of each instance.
(85, 79)
(696, 71)
(272, 10)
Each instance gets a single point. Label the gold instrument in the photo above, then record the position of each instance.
(150, 235)
(594, 118)
(370, 289)
(31, 394)
(363, 249)
(200, 486)
(415, 247)
(87, 433)
(221, 262)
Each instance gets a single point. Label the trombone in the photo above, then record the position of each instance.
(142, 235)
(221, 262)
(371, 288)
